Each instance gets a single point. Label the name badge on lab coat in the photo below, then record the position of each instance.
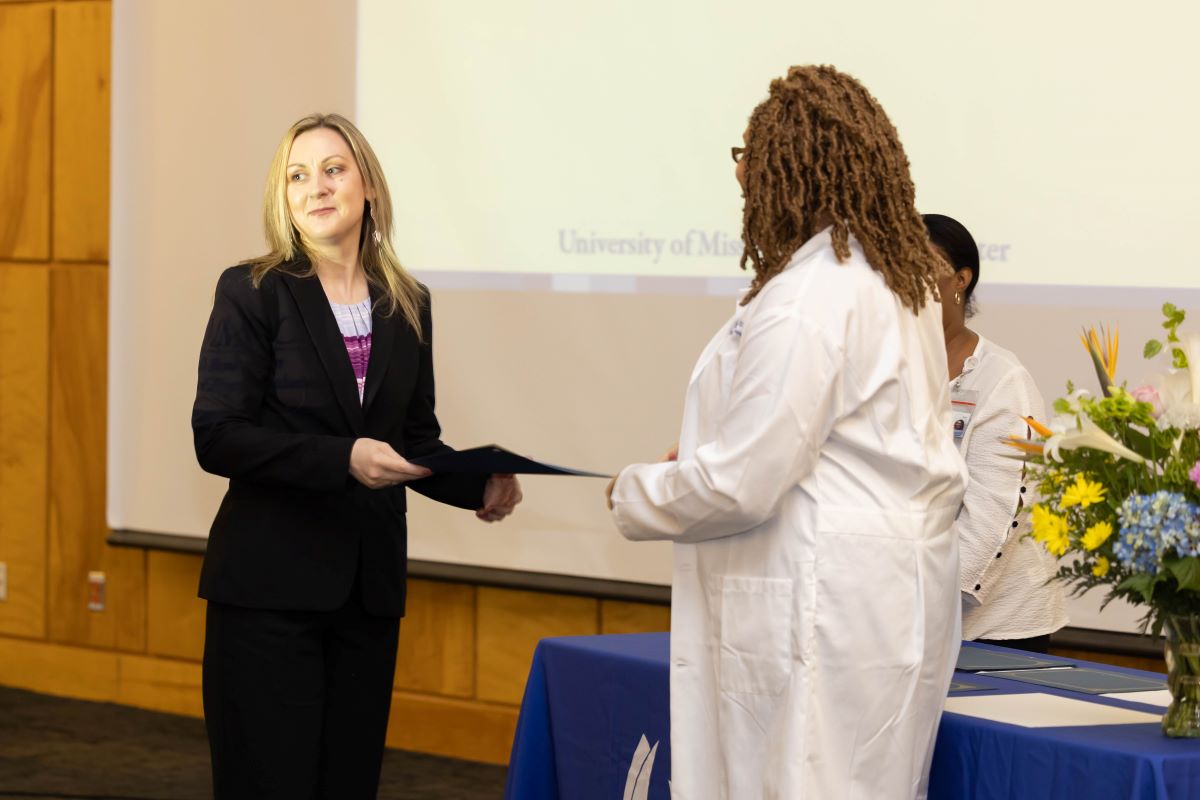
(962, 406)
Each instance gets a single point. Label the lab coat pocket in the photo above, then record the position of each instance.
(870, 602)
(756, 635)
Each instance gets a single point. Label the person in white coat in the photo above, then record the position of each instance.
(1008, 597)
(815, 607)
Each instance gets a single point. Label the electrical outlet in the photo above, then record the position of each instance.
(3, 580)
(96, 591)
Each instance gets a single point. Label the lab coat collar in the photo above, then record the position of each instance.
(819, 241)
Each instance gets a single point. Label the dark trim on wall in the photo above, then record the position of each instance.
(1130, 644)
(170, 542)
(1124, 644)
(542, 582)
(456, 573)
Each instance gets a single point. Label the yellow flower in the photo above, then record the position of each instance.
(1052, 479)
(1095, 536)
(1043, 521)
(1082, 493)
(1051, 530)
(1101, 568)
(1057, 545)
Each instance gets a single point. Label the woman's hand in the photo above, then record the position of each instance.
(376, 465)
(500, 497)
(672, 454)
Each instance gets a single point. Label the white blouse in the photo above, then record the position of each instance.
(1003, 572)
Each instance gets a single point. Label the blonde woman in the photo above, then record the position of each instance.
(315, 389)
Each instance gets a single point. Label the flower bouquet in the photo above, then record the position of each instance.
(1119, 483)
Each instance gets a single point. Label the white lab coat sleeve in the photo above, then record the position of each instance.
(782, 402)
(989, 510)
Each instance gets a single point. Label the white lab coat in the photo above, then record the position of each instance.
(815, 605)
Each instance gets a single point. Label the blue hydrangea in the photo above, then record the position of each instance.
(1154, 526)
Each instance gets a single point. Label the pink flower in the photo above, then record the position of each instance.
(1195, 474)
(1148, 394)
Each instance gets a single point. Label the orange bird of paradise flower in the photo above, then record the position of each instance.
(1103, 349)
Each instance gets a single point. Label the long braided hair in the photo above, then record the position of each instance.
(821, 150)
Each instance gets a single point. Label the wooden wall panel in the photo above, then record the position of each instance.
(58, 670)
(437, 639)
(174, 614)
(25, 47)
(159, 684)
(24, 333)
(77, 527)
(1132, 662)
(103, 676)
(82, 53)
(621, 617)
(508, 628)
(455, 728)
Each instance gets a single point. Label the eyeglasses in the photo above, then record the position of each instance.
(738, 153)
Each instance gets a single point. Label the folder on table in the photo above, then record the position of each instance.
(980, 659)
(1084, 679)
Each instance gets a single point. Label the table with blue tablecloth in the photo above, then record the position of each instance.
(595, 723)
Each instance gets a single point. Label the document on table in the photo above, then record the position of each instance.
(1082, 679)
(1037, 710)
(491, 459)
(963, 686)
(1160, 698)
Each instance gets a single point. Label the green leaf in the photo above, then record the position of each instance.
(1153, 348)
(1186, 572)
(1138, 443)
(1140, 583)
(1062, 406)
(1180, 360)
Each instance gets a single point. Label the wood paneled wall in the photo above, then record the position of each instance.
(464, 651)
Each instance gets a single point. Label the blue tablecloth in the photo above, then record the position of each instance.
(591, 700)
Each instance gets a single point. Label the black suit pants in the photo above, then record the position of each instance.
(296, 702)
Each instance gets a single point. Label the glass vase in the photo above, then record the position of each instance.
(1182, 651)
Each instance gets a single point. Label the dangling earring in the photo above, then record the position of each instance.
(957, 297)
(376, 235)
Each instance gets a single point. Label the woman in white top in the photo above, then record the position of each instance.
(1007, 596)
(814, 614)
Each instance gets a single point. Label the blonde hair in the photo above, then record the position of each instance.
(401, 291)
(821, 149)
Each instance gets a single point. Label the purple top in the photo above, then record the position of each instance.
(354, 321)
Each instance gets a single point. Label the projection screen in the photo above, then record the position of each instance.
(562, 183)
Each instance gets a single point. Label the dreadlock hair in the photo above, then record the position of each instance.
(821, 150)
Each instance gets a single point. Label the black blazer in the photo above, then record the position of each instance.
(277, 412)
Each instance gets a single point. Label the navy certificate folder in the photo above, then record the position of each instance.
(491, 459)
